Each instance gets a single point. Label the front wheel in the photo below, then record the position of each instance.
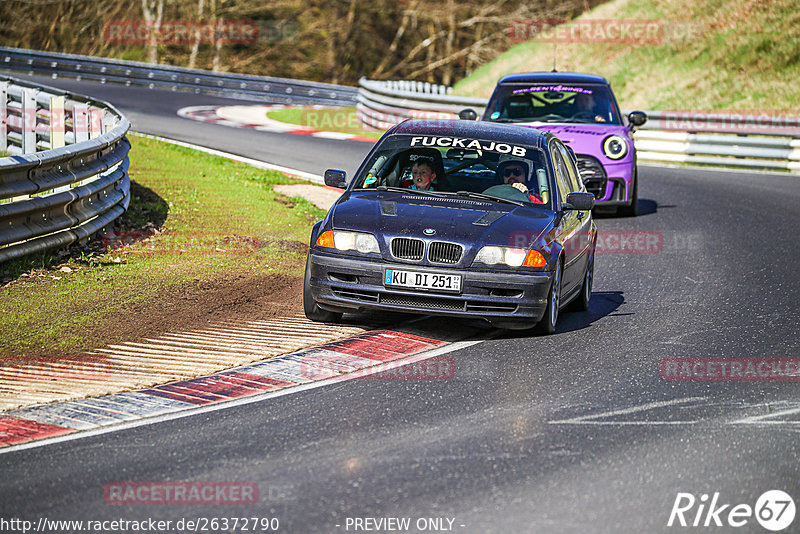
(310, 307)
(547, 325)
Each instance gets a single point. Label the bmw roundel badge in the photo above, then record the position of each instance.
(429, 231)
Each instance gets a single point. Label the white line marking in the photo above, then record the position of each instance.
(241, 159)
(759, 419)
(589, 419)
(228, 336)
(458, 345)
(203, 355)
(282, 333)
(212, 346)
(173, 357)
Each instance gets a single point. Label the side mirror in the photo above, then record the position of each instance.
(579, 202)
(468, 114)
(637, 118)
(336, 178)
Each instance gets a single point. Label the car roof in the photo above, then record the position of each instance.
(508, 133)
(552, 77)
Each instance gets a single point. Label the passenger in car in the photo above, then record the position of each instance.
(423, 176)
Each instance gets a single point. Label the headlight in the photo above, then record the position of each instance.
(342, 240)
(615, 147)
(513, 257)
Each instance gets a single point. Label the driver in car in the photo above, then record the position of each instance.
(515, 174)
(586, 106)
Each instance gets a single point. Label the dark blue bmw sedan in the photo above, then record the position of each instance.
(456, 218)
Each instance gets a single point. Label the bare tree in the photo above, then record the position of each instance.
(153, 13)
(197, 35)
(330, 40)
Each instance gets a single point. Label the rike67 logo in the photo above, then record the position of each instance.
(774, 510)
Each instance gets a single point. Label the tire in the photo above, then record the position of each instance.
(310, 307)
(633, 209)
(548, 323)
(581, 302)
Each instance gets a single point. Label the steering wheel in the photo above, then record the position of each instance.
(583, 115)
(508, 192)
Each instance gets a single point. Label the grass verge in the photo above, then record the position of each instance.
(200, 229)
(342, 120)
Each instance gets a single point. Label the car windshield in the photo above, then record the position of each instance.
(588, 103)
(443, 166)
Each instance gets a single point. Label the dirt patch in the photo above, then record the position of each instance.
(187, 306)
(192, 305)
(321, 197)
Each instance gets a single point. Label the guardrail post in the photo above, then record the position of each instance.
(57, 126)
(108, 121)
(28, 121)
(80, 122)
(95, 122)
(4, 116)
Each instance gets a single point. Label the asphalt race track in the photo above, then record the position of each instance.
(575, 432)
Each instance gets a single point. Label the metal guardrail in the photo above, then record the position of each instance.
(382, 104)
(170, 78)
(67, 173)
(738, 140)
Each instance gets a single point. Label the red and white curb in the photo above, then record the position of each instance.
(354, 357)
(242, 117)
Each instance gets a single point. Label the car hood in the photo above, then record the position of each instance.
(469, 222)
(586, 138)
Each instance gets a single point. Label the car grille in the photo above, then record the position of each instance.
(593, 175)
(430, 303)
(423, 302)
(405, 248)
(441, 252)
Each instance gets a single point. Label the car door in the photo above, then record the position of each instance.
(584, 230)
(567, 232)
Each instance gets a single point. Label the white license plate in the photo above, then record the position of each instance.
(415, 280)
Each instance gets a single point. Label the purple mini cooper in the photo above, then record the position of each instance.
(581, 110)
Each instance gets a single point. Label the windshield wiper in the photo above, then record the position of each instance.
(472, 194)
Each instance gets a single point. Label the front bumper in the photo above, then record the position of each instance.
(357, 283)
(609, 182)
